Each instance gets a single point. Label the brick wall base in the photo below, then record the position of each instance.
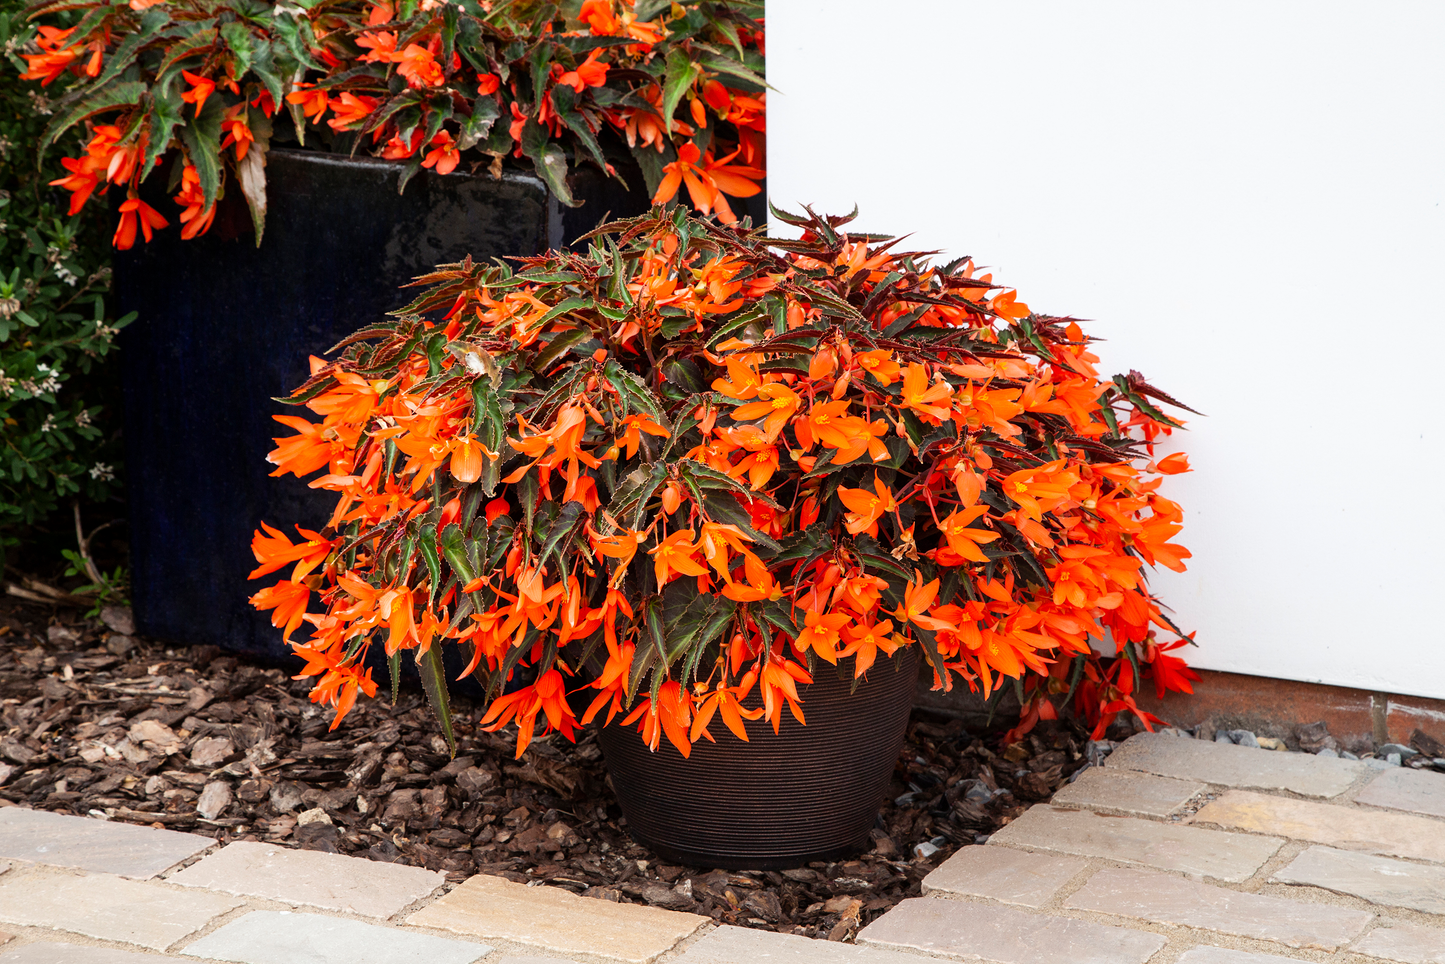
(1358, 719)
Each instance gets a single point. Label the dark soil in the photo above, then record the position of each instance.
(96, 722)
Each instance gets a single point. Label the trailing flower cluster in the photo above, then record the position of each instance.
(428, 82)
(679, 473)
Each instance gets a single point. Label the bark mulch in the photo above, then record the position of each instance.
(94, 720)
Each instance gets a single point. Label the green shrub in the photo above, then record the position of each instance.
(59, 421)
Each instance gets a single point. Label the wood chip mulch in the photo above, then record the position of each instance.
(95, 721)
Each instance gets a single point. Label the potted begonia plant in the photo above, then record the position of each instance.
(720, 492)
(434, 83)
(208, 121)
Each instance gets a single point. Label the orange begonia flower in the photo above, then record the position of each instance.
(779, 684)
(201, 88)
(880, 364)
(197, 217)
(288, 599)
(418, 65)
(676, 555)
(589, 73)
(443, 155)
(133, 212)
(351, 109)
(917, 600)
(313, 102)
(820, 633)
(866, 508)
(964, 540)
(865, 642)
(546, 696)
(726, 701)
(276, 550)
(742, 382)
(81, 182)
(924, 398)
(776, 405)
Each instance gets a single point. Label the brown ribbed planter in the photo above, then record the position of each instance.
(808, 793)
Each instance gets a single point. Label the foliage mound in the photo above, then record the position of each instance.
(687, 468)
(55, 332)
(429, 82)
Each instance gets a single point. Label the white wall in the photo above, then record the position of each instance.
(1245, 197)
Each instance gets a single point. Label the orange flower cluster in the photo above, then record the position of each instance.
(669, 480)
(423, 84)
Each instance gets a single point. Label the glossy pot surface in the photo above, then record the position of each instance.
(807, 793)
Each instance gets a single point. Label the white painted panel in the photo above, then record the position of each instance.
(1245, 198)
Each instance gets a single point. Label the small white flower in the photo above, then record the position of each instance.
(49, 383)
(66, 275)
(102, 472)
(49, 423)
(82, 418)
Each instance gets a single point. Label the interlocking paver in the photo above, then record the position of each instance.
(1236, 766)
(1380, 880)
(272, 937)
(1220, 955)
(742, 945)
(1010, 876)
(1174, 900)
(111, 908)
(1401, 788)
(556, 920)
(48, 952)
(1127, 791)
(1006, 935)
(1226, 856)
(100, 846)
(308, 877)
(1347, 828)
(1406, 943)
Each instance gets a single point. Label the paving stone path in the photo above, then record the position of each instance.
(1176, 851)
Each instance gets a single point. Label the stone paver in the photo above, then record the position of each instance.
(1232, 857)
(100, 846)
(1379, 880)
(331, 881)
(6, 938)
(1173, 900)
(1400, 788)
(47, 952)
(556, 920)
(1003, 934)
(1220, 955)
(1010, 876)
(1236, 766)
(271, 937)
(1407, 943)
(743, 945)
(531, 959)
(1346, 828)
(1127, 792)
(111, 908)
